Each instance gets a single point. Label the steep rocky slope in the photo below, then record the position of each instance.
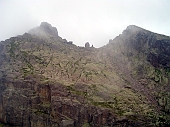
(47, 81)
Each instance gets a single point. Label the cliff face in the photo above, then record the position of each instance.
(47, 81)
(154, 46)
(145, 56)
(28, 103)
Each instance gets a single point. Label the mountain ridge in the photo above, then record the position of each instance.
(120, 84)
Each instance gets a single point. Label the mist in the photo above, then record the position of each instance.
(93, 21)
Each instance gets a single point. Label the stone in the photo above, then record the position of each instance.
(45, 30)
(87, 45)
(67, 123)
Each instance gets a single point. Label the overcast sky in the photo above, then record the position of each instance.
(80, 21)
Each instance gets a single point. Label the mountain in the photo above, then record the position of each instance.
(47, 81)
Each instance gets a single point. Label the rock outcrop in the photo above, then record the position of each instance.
(28, 103)
(155, 46)
(87, 45)
(45, 30)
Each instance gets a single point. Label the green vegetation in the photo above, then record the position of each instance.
(4, 125)
(86, 125)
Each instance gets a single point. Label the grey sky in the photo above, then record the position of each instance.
(80, 21)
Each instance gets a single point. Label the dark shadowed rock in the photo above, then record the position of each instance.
(1, 57)
(155, 46)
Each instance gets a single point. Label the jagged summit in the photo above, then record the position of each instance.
(133, 29)
(155, 47)
(48, 28)
(45, 29)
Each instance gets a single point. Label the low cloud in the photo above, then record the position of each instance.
(95, 21)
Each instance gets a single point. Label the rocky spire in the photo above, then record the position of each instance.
(87, 44)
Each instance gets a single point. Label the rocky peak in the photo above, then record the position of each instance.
(45, 29)
(132, 30)
(48, 28)
(45, 25)
(133, 27)
(153, 46)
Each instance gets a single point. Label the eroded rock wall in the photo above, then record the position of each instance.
(30, 104)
